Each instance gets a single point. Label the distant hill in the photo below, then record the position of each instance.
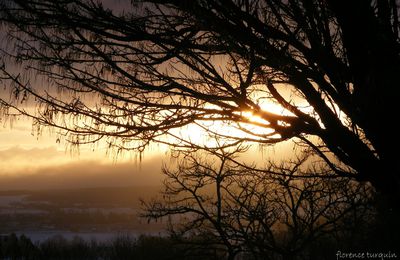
(93, 197)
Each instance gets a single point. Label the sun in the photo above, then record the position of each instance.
(213, 133)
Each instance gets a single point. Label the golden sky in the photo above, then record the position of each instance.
(31, 162)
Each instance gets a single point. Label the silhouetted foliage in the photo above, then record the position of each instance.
(149, 247)
(133, 76)
(122, 247)
(160, 65)
(272, 214)
(14, 247)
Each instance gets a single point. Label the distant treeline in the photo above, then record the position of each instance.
(122, 247)
(196, 247)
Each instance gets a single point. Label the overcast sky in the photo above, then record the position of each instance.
(31, 162)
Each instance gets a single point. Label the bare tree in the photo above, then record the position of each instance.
(133, 76)
(269, 215)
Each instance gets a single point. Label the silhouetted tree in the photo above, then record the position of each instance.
(264, 215)
(132, 76)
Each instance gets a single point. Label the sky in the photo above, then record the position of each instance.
(28, 161)
(31, 162)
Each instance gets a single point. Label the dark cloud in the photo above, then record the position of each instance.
(87, 174)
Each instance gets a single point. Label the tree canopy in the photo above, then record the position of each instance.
(257, 215)
(132, 76)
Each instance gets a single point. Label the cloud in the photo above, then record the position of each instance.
(87, 174)
(21, 161)
(18, 153)
(49, 168)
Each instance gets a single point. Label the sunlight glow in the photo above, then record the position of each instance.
(211, 134)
